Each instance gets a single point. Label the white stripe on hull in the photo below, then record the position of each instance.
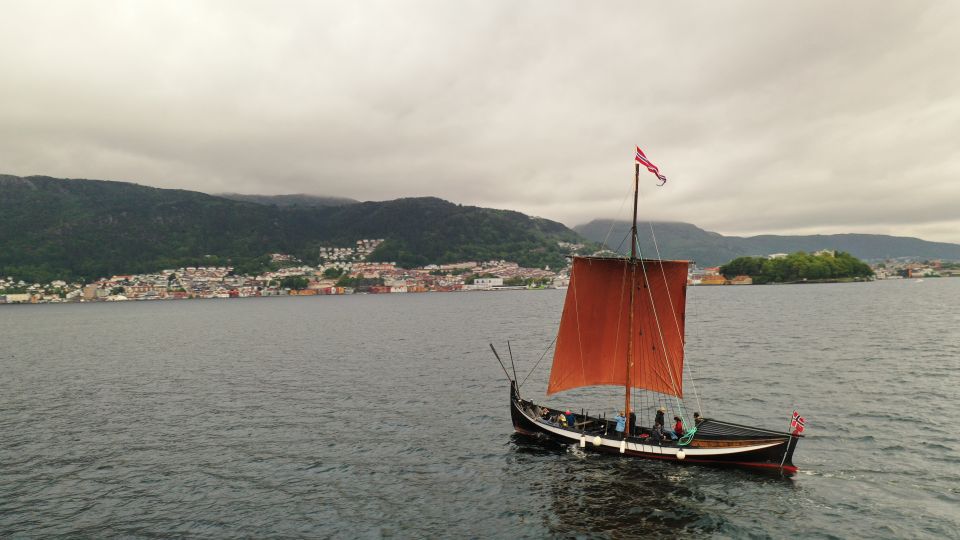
(614, 444)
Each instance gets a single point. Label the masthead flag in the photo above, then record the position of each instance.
(642, 159)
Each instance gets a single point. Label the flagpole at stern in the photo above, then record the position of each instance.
(633, 271)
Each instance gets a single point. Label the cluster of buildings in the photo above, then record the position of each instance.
(711, 276)
(464, 276)
(494, 274)
(902, 268)
(339, 267)
(341, 257)
(13, 291)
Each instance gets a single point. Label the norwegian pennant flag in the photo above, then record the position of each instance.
(798, 423)
(642, 159)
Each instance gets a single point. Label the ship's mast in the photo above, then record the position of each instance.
(633, 286)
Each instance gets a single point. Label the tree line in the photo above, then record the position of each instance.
(799, 266)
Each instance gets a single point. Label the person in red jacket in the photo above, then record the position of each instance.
(677, 428)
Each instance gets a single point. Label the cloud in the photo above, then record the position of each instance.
(813, 117)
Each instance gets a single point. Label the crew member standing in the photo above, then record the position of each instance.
(621, 423)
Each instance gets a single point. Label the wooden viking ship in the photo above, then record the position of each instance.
(623, 324)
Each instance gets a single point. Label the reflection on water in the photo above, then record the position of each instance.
(604, 495)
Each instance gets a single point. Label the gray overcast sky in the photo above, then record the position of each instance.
(767, 117)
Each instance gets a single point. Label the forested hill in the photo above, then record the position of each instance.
(298, 199)
(54, 228)
(686, 241)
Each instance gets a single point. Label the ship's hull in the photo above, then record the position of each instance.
(715, 443)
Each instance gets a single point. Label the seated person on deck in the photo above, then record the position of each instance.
(678, 430)
(657, 435)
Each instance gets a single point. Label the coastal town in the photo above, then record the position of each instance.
(347, 270)
(342, 270)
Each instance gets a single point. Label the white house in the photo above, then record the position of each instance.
(488, 283)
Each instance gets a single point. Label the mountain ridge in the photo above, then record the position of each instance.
(707, 248)
(53, 228)
(292, 199)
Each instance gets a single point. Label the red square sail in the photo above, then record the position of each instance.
(594, 328)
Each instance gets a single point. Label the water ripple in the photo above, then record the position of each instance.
(384, 416)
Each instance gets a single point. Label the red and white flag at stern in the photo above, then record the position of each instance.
(798, 423)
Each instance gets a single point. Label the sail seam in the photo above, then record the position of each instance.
(616, 341)
(676, 320)
(656, 318)
(576, 310)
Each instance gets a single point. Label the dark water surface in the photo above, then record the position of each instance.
(386, 416)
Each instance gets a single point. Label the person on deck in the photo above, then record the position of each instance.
(656, 434)
(621, 422)
(571, 419)
(658, 421)
(633, 424)
(697, 419)
(677, 428)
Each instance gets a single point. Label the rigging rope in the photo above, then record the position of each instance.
(538, 362)
(676, 320)
(687, 437)
(614, 221)
(663, 343)
(576, 309)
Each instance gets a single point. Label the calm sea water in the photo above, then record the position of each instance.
(387, 416)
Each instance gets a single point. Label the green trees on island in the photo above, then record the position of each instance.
(799, 266)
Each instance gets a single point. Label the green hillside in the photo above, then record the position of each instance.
(54, 228)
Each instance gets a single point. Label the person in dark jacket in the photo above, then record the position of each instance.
(657, 435)
(697, 419)
(658, 421)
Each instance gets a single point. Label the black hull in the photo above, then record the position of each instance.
(715, 443)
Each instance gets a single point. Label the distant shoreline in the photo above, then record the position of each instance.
(172, 299)
(802, 282)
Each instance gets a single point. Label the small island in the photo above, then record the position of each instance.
(825, 266)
